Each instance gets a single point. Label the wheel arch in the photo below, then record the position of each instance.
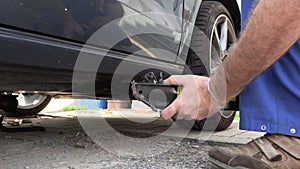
(234, 10)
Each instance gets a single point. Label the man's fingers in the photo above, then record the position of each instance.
(177, 80)
(172, 109)
(170, 81)
(175, 116)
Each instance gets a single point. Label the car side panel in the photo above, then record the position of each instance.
(39, 49)
(79, 20)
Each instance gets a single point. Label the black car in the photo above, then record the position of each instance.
(95, 48)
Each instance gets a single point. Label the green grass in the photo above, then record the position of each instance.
(237, 116)
(72, 108)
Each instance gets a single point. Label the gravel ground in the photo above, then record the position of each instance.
(65, 145)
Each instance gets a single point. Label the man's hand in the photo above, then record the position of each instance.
(272, 22)
(194, 101)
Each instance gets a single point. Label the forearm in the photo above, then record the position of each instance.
(273, 28)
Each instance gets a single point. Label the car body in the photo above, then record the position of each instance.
(60, 48)
(32, 41)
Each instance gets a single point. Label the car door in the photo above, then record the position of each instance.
(78, 20)
(52, 34)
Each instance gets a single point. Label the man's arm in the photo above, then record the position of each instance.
(272, 29)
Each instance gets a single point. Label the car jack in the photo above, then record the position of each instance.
(154, 93)
(158, 96)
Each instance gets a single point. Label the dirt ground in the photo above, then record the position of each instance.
(64, 144)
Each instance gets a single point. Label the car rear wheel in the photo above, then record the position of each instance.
(211, 42)
(30, 104)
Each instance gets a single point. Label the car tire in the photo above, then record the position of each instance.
(207, 19)
(33, 109)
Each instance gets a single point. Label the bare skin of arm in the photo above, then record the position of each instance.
(272, 29)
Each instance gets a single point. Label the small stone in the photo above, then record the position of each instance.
(195, 146)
